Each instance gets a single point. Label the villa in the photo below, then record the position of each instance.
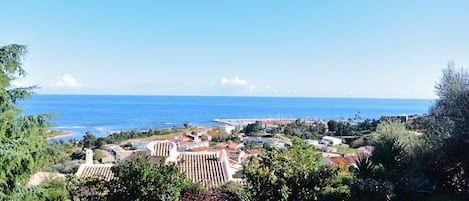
(209, 168)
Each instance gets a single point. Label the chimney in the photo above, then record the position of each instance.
(89, 157)
(223, 156)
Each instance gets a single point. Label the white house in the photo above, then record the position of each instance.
(328, 140)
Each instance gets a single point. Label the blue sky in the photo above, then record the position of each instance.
(377, 49)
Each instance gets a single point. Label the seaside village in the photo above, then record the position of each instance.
(213, 163)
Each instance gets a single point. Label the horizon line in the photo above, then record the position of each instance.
(236, 96)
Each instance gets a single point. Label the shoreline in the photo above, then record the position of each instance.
(60, 133)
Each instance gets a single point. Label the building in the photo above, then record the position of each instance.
(209, 168)
(90, 169)
(258, 140)
(328, 140)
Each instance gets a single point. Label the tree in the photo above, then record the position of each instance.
(250, 145)
(364, 167)
(22, 138)
(332, 125)
(89, 140)
(142, 180)
(447, 137)
(289, 174)
(186, 124)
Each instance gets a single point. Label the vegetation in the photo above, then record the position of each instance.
(404, 165)
(140, 179)
(22, 138)
(289, 174)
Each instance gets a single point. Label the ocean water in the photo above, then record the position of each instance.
(103, 114)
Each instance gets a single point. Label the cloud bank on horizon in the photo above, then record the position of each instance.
(68, 81)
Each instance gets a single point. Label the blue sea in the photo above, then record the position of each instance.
(104, 114)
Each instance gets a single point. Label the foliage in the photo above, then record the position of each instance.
(389, 154)
(140, 179)
(301, 128)
(252, 129)
(371, 190)
(67, 167)
(250, 145)
(115, 138)
(234, 138)
(86, 188)
(364, 167)
(55, 190)
(289, 174)
(234, 192)
(448, 136)
(89, 140)
(339, 189)
(22, 138)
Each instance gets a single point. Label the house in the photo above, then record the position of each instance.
(312, 142)
(91, 169)
(159, 150)
(207, 167)
(190, 141)
(201, 149)
(328, 140)
(258, 140)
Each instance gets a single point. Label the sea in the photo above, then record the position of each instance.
(105, 114)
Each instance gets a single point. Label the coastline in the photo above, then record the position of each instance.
(58, 134)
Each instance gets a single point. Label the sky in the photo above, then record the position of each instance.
(364, 49)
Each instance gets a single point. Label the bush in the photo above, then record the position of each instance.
(371, 190)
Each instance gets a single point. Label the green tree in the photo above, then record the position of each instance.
(364, 167)
(22, 138)
(89, 140)
(332, 125)
(250, 145)
(289, 174)
(142, 180)
(447, 136)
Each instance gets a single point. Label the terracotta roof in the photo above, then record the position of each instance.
(185, 142)
(204, 168)
(233, 145)
(253, 151)
(101, 170)
(349, 160)
(162, 148)
(221, 145)
(185, 138)
(199, 149)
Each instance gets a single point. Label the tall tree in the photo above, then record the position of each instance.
(448, 136)
(22, 138)
(89, 140)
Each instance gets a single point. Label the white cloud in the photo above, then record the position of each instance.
(233, 82)
(67, 81)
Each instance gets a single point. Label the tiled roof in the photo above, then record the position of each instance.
(221, 145)
(233, 145)
(253, 151)
(101, 170)
(162, 148)
(200, 149)
(185, 142)
(204, 168)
